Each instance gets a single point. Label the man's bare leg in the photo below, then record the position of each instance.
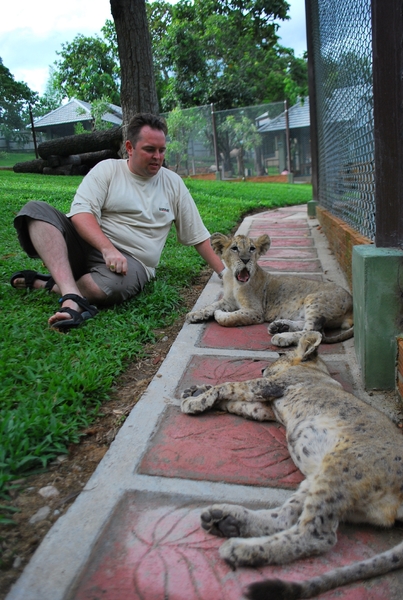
(50, 245)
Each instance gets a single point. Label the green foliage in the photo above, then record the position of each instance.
(223, 52)
(79, 128)
(15, 96)
(181, 126)
(98, 109)
(87, 70)
(52, 383)
(52, 97)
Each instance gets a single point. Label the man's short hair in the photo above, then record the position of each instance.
(139, 121)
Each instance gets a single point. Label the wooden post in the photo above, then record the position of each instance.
(387, 48)
(310, 5)
(31, 118)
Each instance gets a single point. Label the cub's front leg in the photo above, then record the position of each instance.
(203, 314)
(239, 317)
(197, 399)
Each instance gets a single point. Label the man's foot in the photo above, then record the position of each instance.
(31, 280)
(74, 311)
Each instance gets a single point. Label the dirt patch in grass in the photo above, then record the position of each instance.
(69, 474)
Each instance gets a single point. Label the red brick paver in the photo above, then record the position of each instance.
(154, 548)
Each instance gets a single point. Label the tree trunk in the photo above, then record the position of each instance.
(67, 170)
(30, 166)
(84, 142)
(138, 91)
(87, 158)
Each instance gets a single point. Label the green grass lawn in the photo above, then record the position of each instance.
(52, 384)
(9, 159)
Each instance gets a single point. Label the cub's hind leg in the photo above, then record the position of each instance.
(307, 537)
(227, 520)
(313, 533)
(282, 547)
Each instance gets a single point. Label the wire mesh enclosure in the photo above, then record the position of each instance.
(342, 56)
(242, 142)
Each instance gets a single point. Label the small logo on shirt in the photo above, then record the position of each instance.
(164, 210)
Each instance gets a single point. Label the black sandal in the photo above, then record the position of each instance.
(30, 277)
(77, 318)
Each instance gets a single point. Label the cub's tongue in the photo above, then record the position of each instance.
(243, 276)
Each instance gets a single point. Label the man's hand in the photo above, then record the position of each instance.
(88, 228)
(115, 261)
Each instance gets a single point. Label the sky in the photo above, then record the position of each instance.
(32, 32)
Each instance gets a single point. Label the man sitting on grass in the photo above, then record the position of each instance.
(108, 246)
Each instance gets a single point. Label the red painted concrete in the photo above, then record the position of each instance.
(213, 370)
(154, 548)
(251, 337)
(293, 266)
(220, 447)
(278, 224)
(283, 232)
(306, 253)
(285, 242)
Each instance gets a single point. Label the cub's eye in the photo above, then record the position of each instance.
(234, 248)
(252, 248)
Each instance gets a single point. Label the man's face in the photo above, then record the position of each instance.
(146, 157)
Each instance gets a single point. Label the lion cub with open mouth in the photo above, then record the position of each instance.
(350, 453)
(291, 304)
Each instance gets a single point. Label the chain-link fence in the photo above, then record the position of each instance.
(342, 52)
(243, 142)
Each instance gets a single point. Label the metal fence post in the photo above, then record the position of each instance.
(287, 136)
(217, 162)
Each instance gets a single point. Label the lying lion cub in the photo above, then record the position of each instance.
(290, 303)
(350, 453)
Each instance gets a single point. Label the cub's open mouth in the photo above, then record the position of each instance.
(243, 276)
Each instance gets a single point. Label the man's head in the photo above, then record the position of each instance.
(146, 144)
(141, 120)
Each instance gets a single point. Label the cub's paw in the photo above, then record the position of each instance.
(196, 399)
(196, 316)
(225, 520)
(278, 327)
(244, 553)
(222, 316)
(284, 339)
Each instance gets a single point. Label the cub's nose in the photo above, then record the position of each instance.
(245, 260)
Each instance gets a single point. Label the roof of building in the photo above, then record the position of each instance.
(298, 116)
(77, 110)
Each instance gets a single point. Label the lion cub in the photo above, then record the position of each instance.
(290, 303)
(350, 453)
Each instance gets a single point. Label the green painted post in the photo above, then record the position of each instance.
(378, 312)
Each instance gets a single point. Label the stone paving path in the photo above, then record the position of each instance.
(134, 534)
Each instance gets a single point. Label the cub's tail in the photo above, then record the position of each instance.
(344, 335)
(290, 590)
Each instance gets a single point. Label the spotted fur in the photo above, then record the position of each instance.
(350, 453)
(291, 304)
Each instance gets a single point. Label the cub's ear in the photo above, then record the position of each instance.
(218, 241)
(262, 244)
(308, 345)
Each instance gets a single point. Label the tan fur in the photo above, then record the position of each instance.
(350, 453)
(291, 304)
